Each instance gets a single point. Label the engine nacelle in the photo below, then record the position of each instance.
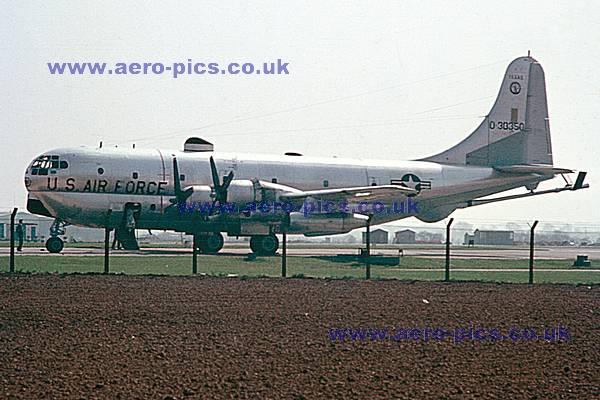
(240, 191)
(201, 194)
(323, 224)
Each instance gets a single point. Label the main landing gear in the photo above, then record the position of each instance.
(211, 243)
(264, 245)
(55, 244)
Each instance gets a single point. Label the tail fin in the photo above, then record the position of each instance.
(516, 130)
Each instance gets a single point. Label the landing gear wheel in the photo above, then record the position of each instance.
(264, 245)
(54, 245)
(212, 243)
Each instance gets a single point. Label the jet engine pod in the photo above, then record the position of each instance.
(323, 224)
(434, 214)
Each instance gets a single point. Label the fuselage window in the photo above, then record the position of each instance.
(135, 175)
(100, 171)
(64, 164)
(274, 180)
(182, 177)
(325, 183)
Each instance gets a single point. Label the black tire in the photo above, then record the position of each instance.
(255, 243)
(211, 244)
(264, 245)
(54, 245)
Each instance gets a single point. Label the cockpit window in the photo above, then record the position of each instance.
(51, 163)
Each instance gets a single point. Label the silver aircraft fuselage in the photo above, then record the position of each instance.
(95, 180)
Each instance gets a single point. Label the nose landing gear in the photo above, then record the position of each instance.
(55, 244)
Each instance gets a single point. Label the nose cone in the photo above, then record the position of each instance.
(35, 178)
(32, 181)
(27, 181)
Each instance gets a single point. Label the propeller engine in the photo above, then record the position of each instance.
(220, 189)
(241, 191)
(218, 192)
(181, 195)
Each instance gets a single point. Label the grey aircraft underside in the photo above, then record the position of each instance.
(128, 189)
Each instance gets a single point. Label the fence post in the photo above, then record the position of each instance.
(531, 242)
(12, 239)
(195, 244)
(368, 256)
(447, 274)
(284, 227)
(284, 255)
(107, 242)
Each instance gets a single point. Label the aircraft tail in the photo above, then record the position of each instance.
(516, 130)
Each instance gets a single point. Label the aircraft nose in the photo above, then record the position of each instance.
(45, 168)
(27, 182)
(37, 170)
(28, 178)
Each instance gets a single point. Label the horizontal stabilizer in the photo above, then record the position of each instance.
(579, 182)
(541, 169)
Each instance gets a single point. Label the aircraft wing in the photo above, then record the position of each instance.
(384, 193)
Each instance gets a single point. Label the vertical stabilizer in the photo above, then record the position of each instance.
(516, 130)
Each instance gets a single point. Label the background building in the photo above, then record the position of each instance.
(490, 238)
(378, 236)
(405, 236)
(425, 237)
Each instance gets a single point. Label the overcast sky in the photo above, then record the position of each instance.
(392, 80)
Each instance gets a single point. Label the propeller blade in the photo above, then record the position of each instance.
(219, 188)
(215, 174)
(187, 193)
(180, 195)
(221, 193)
(176, 177)
(227, 181)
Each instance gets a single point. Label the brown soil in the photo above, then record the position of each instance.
(192, 337)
